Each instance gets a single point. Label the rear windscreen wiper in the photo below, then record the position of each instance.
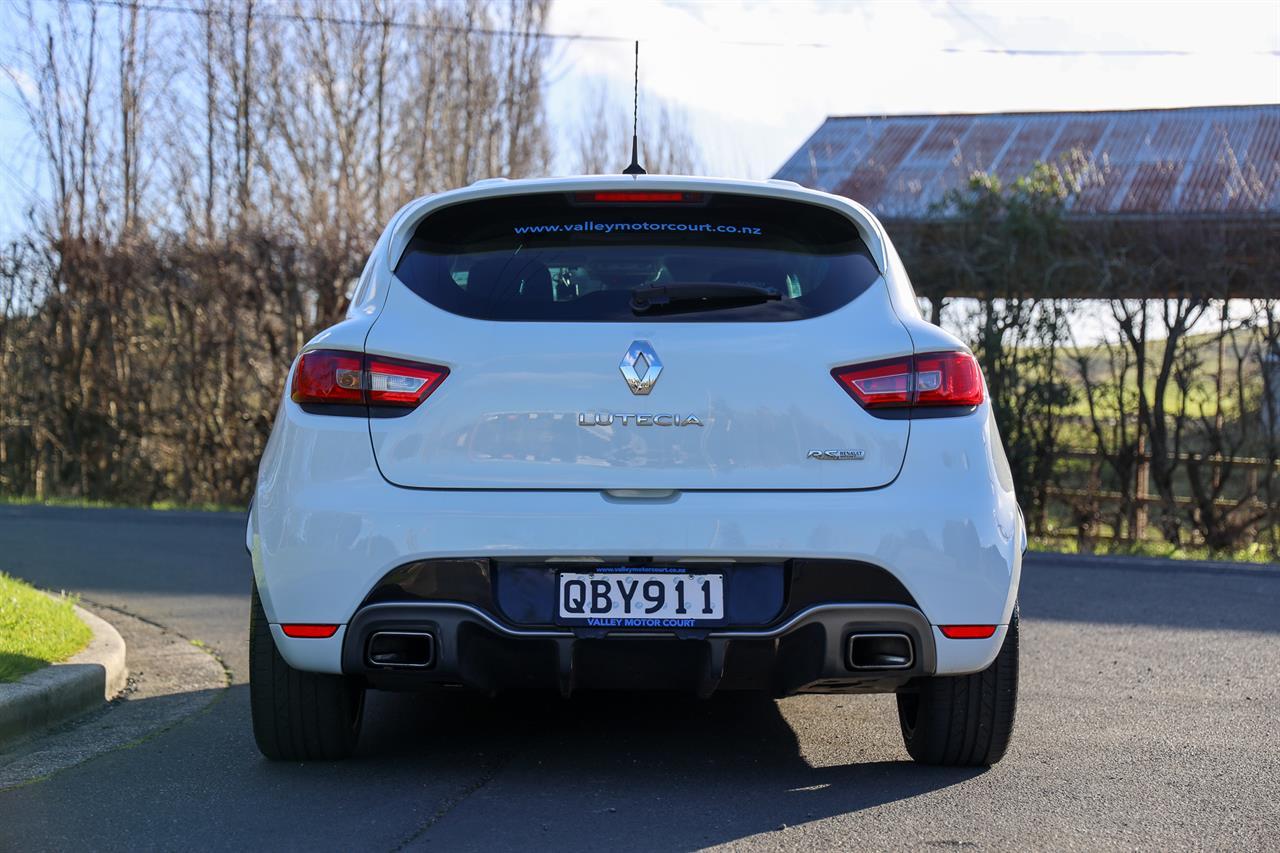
(693, 295)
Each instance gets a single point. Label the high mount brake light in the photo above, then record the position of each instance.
(929, 379)
(336, 377)
(637, 197)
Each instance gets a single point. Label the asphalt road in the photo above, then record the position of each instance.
(1149, 718)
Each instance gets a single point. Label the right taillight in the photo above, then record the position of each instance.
(339, 377)
(932, 379)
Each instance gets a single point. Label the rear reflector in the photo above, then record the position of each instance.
(928, 379)
(967, 632)
(314, 632)
(337, 377)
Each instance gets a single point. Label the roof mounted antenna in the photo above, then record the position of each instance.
(635, 168)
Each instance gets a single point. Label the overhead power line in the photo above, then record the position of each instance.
(973, 24)
(295, 17)
(391, 23)
(1009, 51)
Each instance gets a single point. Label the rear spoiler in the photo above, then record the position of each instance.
(406, 221)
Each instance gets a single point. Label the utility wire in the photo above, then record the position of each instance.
(1005, 51)
(294, 17)
(979, 28)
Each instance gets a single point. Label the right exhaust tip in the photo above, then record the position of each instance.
(880, 651)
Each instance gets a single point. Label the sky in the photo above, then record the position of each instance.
(752, 105)
(755, 79)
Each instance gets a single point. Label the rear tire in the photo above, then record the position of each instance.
(964, 720)
(298, 716)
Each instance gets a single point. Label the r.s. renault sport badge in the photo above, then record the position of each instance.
(837, 455)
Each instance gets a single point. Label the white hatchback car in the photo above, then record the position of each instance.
(635, 432)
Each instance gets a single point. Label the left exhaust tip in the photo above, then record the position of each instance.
(401, 650)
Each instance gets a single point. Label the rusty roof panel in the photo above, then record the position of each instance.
(983, 143)
(1199, 160)
(1030, 143)
(893, 145)
(1101, 187)
(1265, 150)
(939, 144)
(1174, 139)
(871, 175)
(1264, 156)
(914, 189)
(1080, 134)
(1204, 188)
(1128, 141)
(1151, 187)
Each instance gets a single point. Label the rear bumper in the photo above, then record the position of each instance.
(808, 653)
(790, 627)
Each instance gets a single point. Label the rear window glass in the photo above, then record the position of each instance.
(582, 256)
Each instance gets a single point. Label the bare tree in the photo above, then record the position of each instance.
(208, 207)
(667, 146)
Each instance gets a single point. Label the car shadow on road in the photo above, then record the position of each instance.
(461, 771)
(695, 772)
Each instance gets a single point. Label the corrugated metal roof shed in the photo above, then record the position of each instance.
(1182, 162)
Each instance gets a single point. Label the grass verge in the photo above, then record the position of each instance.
(80, 503)
(35, 630)
(1255, 553)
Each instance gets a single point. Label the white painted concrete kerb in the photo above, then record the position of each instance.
(61, 691)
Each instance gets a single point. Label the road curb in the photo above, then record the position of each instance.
(56, 693)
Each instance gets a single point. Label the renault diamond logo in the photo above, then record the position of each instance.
(641, 367)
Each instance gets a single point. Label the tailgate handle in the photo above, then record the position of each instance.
(649, 495)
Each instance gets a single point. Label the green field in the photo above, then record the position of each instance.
(35, 630)
(1200, 350)
(81, 503)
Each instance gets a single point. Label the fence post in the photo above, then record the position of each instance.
(1138, 523)
(1271, 390)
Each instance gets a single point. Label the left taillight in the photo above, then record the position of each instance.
(329, 376)
(335, 377)
(934, 379)
(392, 382)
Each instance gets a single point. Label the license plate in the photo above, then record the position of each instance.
(637, 599)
